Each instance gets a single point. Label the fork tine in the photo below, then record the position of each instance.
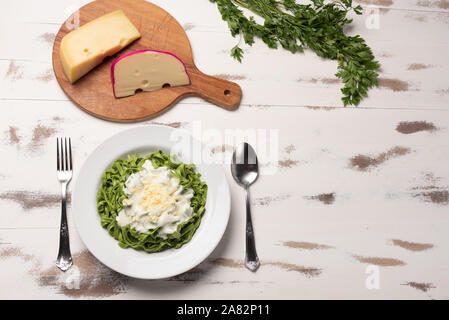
(57, 154)
(65, 155)
(70, 154)
(61, 140)
(61, 146)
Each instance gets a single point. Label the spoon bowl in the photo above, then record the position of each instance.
(245, 168)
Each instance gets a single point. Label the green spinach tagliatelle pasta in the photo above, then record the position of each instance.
(110, 197)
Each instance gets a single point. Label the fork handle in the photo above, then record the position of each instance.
(251, 258)
(64, 260)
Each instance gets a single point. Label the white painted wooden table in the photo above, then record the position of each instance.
(358, 193)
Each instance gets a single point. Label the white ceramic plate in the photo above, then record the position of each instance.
(139, 264)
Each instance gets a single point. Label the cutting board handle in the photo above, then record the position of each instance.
(221, 92)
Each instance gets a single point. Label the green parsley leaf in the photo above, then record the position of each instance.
(317, 26)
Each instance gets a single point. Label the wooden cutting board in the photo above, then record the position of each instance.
(160, 31)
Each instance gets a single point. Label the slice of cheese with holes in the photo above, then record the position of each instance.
(147, 70)
(86, 47)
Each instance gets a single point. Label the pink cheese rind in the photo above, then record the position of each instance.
(137, 52)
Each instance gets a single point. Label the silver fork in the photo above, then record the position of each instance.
(64, 173)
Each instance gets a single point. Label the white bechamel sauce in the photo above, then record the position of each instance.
(155, 200)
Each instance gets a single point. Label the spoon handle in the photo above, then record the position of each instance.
(251, 258)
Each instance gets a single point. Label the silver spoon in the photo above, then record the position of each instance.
(245, 170)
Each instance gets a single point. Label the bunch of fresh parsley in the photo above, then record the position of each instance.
(317, 26)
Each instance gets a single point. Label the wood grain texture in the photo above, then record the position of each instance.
(320, 221)
(370, 209)
(160, 31)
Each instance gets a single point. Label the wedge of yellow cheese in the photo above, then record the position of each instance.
(86, 47)
(147, 70)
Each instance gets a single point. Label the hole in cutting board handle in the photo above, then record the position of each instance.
(227, 93)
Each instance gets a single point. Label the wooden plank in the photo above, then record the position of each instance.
(33, 274)
(63, 9)
(407, 80)
(346, 191)
(350, 189)
(305, 81)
